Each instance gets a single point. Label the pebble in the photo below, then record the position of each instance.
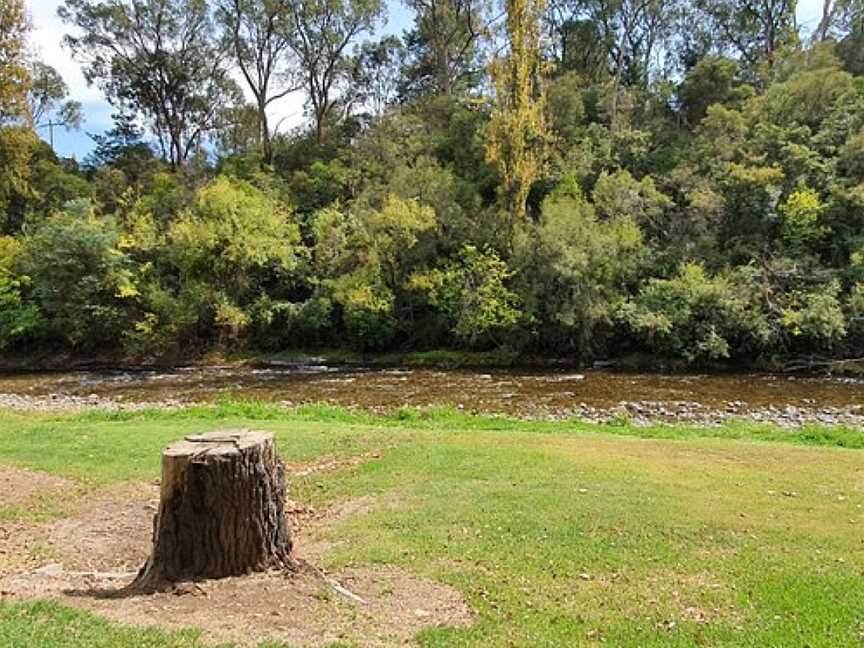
(638, 413)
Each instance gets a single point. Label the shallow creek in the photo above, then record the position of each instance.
(591, 394)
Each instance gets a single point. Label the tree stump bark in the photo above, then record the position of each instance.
(221, 510)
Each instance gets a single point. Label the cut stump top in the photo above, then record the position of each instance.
(219, 442)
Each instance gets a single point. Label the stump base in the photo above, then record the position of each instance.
(221, 510)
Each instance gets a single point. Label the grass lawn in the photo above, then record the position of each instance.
(557, 534)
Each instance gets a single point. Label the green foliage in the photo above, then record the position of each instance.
(619, 195)
(231, 233)
(322, 184)
(367, 310)
(82, 283)
(565, 105)
(697, 317)
(472, 293)
(816, 316)
(16, 147)
(636, 183)
(19, 318)
(576, 266)
(713, 80)
(851, 159)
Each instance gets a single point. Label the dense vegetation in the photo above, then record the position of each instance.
(585, 178)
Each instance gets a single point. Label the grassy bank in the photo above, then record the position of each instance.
(556, 533)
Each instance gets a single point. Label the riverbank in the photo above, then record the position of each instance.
(638, 413)
(436, 358)
(552, 394)
(442, 358)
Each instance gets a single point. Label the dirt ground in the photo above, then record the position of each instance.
(17, 485)
(84, 560)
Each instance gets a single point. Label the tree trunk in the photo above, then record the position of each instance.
(264, 126)
(221, 510)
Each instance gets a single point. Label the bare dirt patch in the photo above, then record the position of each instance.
(329, 463)
(77, 560)
(17, 485)
(105, 532)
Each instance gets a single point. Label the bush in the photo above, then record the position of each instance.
(18, 318)
(471, 292)
(82, 283)
(697, 317)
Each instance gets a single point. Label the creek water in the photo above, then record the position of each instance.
(521, 392)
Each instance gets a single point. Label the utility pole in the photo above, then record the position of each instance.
(50, 124)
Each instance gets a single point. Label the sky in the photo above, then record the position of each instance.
(47, 37)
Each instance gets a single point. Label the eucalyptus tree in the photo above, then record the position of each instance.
(376, 72)
(49, 101)
(752, 30)
(838, 20)
(320, 35)
(160, 59)
(445, 45)
(618, 39)
(258, 34)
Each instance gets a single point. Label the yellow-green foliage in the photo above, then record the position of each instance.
(398, 223)
(472, 293)
(374, 240)
(816, 315)
(517, 134)
(14, 78)
(800, 213)
(231, 227)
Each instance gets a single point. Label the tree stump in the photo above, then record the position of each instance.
(221, 510)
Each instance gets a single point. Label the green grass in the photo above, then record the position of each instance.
(556, 533)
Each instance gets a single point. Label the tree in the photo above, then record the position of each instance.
(321, 32)
(157, 58)
(444, 45)
(258, 34)
(82, 281)
(49, 101)
(838, 19)
(471, 292)
(575, 267)
(122, 147)
(713, 80)
(631, 31)
(232, 230)
(14, 77)
(516, 137)
(753, 30)
(850, 46)
(699, 317)
(376, 72)
(576, 44)
(16, 138)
